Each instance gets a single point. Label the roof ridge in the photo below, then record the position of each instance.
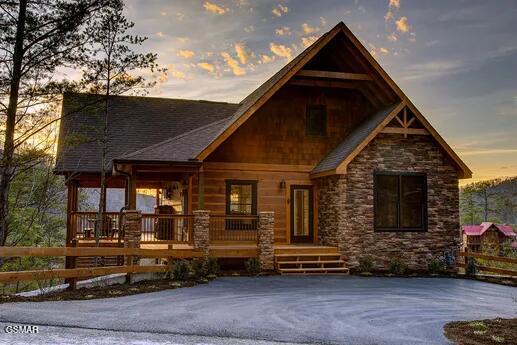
(147, 148)
(153, 97)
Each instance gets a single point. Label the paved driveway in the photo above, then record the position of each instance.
(344, 310)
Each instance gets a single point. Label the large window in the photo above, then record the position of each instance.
(316, 120)
(400, 202)
(241, 197)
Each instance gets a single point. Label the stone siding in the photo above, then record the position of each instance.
(266, 240)
(132, 221)
(201, 231)
(355, 234)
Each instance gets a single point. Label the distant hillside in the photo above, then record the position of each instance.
(490, 200)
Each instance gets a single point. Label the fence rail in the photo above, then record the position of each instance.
(490, 269)
(233, 228)
(128, 253)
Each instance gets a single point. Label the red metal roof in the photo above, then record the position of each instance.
(478, 230)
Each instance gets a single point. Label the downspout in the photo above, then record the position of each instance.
(125, 207)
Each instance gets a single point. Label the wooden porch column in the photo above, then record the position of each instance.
(201, 191)
(131, 191)
(71, 230)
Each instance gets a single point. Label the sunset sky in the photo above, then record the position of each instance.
(456, 60)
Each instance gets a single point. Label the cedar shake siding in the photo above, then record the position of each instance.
(356, 237)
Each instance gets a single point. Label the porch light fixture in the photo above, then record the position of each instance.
(283, 184)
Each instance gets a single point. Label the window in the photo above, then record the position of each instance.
(400, 202)
(241, 200)
(316, 120)
(241, 197)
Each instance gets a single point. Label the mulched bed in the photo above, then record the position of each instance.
(483, 332)
(106, 291)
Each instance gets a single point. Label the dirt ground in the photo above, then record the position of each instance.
(486, 332)
(102, 291)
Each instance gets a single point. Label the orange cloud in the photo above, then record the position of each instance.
(242, 53)
(233, 64)
(214, 8)
(210, 68)
(187, 54)
(283, 31)
(279, 10)
(281, 51)
(402, 24)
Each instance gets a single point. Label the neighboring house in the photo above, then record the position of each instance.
(329, 143)
(487, 237)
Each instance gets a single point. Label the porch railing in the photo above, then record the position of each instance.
(167, 228)
(233, 228)
(84, 224)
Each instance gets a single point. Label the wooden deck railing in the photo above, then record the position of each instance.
(233, 228)
(127, 253)
(156, 228)
(84, 224)
(167, 228)
(511, 270)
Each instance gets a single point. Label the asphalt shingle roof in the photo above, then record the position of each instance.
(347, 146)
(133, 124)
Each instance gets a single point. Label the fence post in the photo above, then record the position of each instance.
(132, 227)
(266, 240)
(72, 263)
(201, 231)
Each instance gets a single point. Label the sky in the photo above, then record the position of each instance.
(456, 60)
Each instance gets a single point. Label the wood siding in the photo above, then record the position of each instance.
(276, 133)
(272, 146)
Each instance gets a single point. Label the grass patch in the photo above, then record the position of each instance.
(490, 332)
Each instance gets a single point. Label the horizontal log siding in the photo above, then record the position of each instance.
(270, 197)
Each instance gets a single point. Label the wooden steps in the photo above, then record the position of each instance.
(304, 260)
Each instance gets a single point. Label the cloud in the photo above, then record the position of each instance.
(233, 64)
(180, 16)
(163, 13)
(281, 51)
(384, 50)
(307, 29)
(412, 37)
(187, 54)
(476, 152)
(182, 39)
(283, 31)
(392, 37)
(214, 8)
(307, 41)
(210, 68)
(279, 10)
(242, 53)
(388, 16)
(266, 59)
(402, 24)
(323, 22)
(176, 74)
(249, 28)
(160, 34)
(394, 4)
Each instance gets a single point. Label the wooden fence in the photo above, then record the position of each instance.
(490, 269)
(127, 253)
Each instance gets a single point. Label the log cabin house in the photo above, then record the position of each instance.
(487, 237)
(324, 163)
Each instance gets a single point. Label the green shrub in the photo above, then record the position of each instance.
(435, 266)
(397, 267)
(180, 270)
(198, 268)
(252, 266)
(366, 264)
(212, 265)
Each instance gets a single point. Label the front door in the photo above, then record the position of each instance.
(301, 214)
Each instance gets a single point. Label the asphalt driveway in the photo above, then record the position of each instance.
(344, 310)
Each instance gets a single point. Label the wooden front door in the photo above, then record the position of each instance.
(301, 214)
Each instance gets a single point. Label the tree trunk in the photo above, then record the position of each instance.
(7, 158)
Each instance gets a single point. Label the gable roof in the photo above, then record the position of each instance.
(134, 123)
(478, 230)
(263, 93)
(346, 148)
